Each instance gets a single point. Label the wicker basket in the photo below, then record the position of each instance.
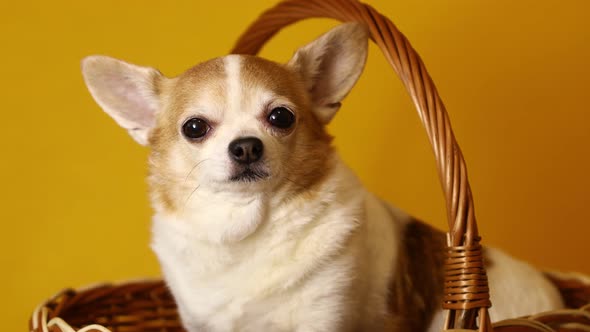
(147, 306)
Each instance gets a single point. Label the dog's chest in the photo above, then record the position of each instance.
(218, 289)
(249, 284)
(223, 302)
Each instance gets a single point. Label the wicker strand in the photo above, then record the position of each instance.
(408, 65)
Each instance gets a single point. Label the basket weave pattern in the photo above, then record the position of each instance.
(147, 306)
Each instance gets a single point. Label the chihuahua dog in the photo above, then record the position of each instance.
(259, 225)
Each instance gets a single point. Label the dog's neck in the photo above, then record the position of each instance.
(225, 218)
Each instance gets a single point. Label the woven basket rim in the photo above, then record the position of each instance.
(41, 320)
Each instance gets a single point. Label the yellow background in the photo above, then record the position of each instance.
(515, 76)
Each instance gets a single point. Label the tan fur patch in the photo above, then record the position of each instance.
(417, 286)
(205, 77)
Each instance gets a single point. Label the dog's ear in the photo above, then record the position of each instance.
(331, 65)
(126, 92)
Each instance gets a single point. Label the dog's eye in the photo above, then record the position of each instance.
(195, 128)
(281, 117)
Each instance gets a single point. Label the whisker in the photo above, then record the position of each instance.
(294, 182)
(190, 195)
(194, 167)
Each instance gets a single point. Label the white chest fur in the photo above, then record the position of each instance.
(297, 259)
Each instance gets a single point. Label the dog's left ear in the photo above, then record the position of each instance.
(331, 65)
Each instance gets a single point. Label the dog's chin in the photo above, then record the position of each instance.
(248, 175)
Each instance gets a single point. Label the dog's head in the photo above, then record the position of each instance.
(235, 123)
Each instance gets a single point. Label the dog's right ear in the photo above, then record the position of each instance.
(331, 65)
(126, 92)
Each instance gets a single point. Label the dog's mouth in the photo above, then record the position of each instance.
(249, 174)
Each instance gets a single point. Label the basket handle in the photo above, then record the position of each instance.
(466, 291)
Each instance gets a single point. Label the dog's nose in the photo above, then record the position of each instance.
(246, 150)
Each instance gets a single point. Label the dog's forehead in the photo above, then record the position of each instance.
(207, 78)
(257, 72)
(235, 79)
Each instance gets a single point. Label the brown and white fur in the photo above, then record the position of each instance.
(298, 244)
